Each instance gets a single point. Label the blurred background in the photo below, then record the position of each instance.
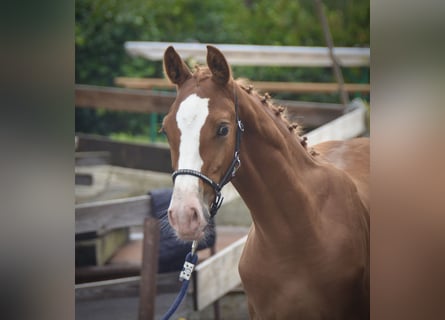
(39, 40)
(120, 157)
(103, 26)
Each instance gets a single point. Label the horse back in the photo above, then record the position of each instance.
(352, 157)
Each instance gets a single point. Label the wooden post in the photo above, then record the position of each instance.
(328, 38)
(147, 296)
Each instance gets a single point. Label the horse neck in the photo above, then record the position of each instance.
(273, 179)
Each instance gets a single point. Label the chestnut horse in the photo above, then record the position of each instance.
(307, 253)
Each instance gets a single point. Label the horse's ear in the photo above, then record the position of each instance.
(175, 69)
(218, 65)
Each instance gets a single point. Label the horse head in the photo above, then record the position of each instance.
(201, 128)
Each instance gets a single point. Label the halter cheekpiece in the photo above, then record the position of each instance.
(230, 173)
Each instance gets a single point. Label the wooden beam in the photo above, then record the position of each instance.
(128, 155)
(143, 83)
(308, 114)
(165, 283)
(111, 214)
(147, 296)
(308, 87)
(125, 286)
(264, 86)
(218, 275)
(258, 55)
(123, 99)
(308, 118)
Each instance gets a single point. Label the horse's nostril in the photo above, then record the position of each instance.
(194, 214)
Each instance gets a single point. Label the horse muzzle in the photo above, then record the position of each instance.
(186, 216)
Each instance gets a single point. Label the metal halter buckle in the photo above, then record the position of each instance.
(241, 125)
(237, 164)
(216, 204)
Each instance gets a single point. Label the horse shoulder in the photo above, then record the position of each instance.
(352, 157)
(346, 209)
(344, 232)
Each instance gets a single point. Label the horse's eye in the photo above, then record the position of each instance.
(223, 130)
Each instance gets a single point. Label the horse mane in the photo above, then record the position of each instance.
(279, 111)
(202, 73)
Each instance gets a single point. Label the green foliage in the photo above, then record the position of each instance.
(128, 137)
(103, 26)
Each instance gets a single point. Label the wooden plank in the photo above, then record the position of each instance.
(258, 55)
(111, 214)
(349, 125)
(309, 115)
(309, 118)
(123, 99)
(107, 283)
(263, 86)
(165, 283)
(129, 155)
(113, 288)
(143, 83)
(218, 274)
(147, 296)
(302, 87)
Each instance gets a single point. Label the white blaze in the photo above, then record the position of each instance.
(190, 118)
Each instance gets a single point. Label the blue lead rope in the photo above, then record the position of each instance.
(184, 276)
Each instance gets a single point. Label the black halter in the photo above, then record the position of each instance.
(230, 173)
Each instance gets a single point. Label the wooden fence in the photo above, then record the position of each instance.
(308, 114)
(262, 86)
(113, 214)
(333, 120)
(125, 154)
(123, 99)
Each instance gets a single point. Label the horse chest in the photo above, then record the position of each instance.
(276, 291)
(290, 289)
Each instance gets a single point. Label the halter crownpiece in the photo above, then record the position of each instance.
(231, 171)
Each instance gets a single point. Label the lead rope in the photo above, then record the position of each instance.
(184, 276)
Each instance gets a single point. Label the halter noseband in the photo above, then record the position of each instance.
(230, 173)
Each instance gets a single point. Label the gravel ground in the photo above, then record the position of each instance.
(232, 306)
